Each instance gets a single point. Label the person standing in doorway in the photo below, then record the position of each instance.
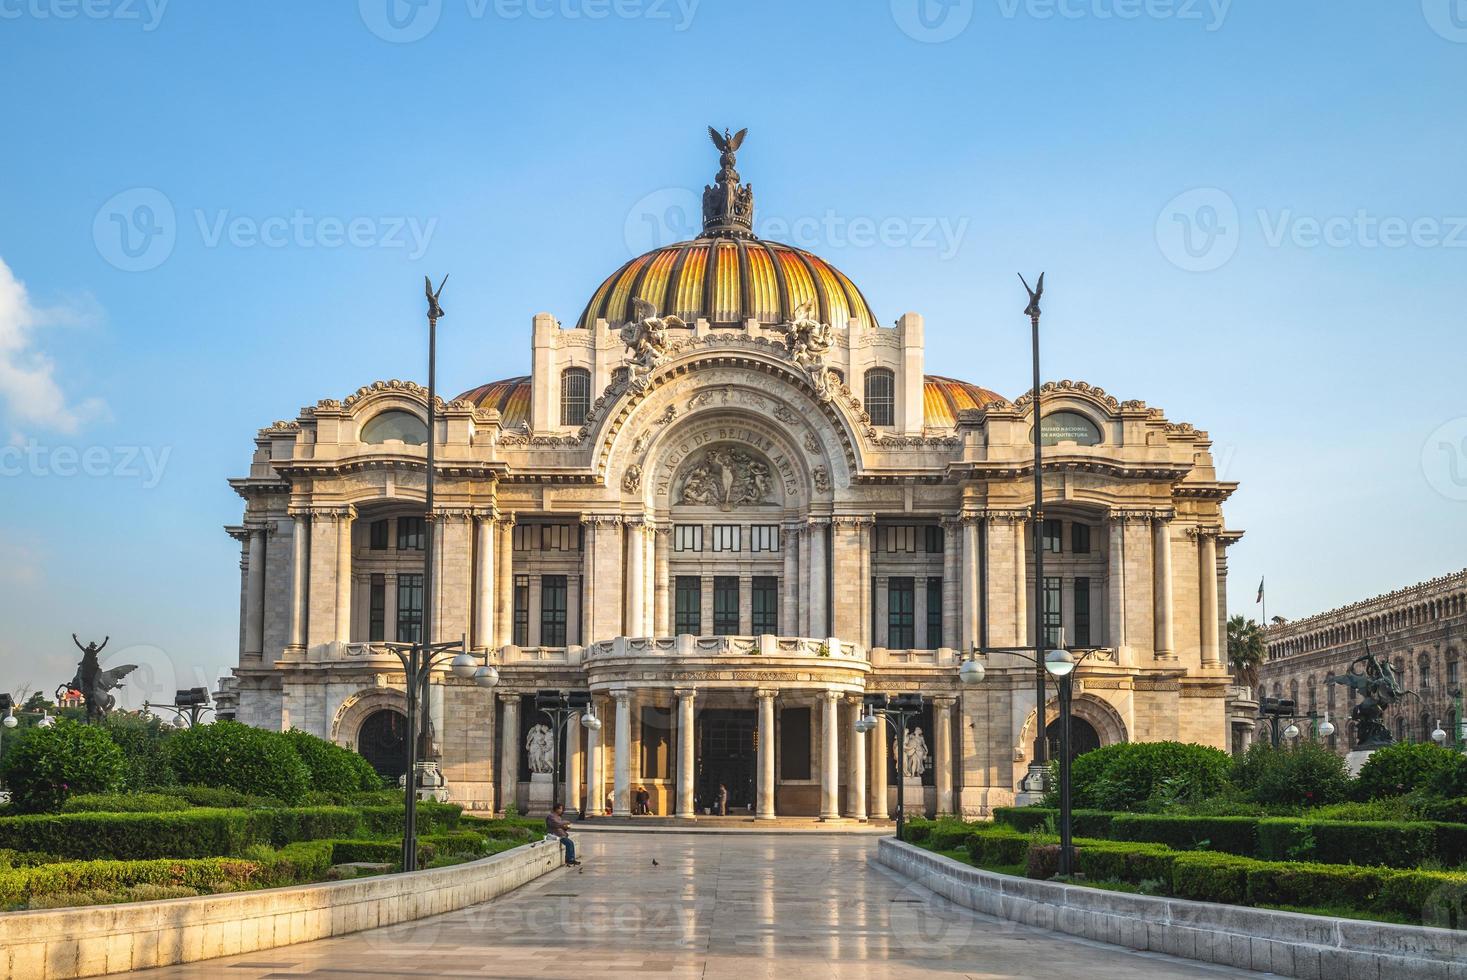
(557, 826)
(722, 804)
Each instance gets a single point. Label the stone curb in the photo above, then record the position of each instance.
(1289, 944)
(54, 944)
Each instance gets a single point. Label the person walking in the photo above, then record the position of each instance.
(557, 826)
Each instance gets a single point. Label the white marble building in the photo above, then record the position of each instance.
(728, 502)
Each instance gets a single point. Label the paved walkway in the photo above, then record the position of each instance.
(736, 906)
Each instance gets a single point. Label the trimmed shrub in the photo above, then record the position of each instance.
(24, 884)
(373, 851)
(1304, 775)
(949, 835)
(1042, 861)
(1209, 877)
(1133, 863)
(286, 826)
(1314, 885)
(142, 743)
(218, 796)
(1232, 835)
(333, 769)
(130, 836)
(1026, 818)
(1404, 767)
(298, 862)
(1426, 897)
(235, 756)
(1127, 775)
(1394, 844)
(123, 803)
(1451, 810)
(917, 829)
(998, 847)
(432, 818)
(48, 765)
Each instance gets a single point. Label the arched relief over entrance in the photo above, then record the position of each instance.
(729, 463)
(1100, 714)
(809, 455)
(748, 386)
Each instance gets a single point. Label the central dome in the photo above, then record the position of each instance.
(727, 276)
(728, 281)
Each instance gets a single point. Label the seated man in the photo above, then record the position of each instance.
(557, 826)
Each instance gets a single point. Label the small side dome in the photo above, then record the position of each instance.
(943, 398)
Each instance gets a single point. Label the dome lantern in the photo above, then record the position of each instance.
(728, 206)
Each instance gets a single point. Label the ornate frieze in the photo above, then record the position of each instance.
(726, 478)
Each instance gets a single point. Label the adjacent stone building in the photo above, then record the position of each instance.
(1420, 629)
(728, 501)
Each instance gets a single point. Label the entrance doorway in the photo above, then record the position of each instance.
(726, 754)
(382, 741)
(1083, 737)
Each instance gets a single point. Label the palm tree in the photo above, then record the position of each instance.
(1246, 649)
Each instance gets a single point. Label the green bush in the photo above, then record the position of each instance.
(1129, 775)
(916, 830)
(142, 743)
(286, 826)
(948, 835)
(998, 847)
(1312, 885)
(234, 756)
(1232, 835)
(1129, 862)
(1395, 844)
(130, 836)
(23, 884)
(48, 765)
(432, 818)
(1026, 818)
(1404, 767)
(333, 769)
(123, 803)
(218, 796)
(299, 862)
(1304, 775)
(1211, 877)
(372, 851)
(1450, 782)
(1452, 810)
(1425, 897)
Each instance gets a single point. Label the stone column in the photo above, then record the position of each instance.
(635, 579)
(484, 583)
(299, 580)
(662, 613)
(970, 584)
(954, 628)
(343, 574)
(789, 543)
(588, 582)
(942, 751)
(864, 536)
(685, 770)
(573, 762)
(819, 592)
(1162, 547)
(509, 751)
(621, 789)
(1207, 558)
(879, 765)
(858, 766)
(504, 590)
(764, 810)
(1115, 585)
(254, 632)
(830, 756)
(804, 584)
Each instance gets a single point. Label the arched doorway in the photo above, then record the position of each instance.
(1083, 737)
(382, 741)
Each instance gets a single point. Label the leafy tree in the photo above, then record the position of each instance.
(1130, 775)
(48, 765)
(333, 768)
(1246, 649)
(1303, 775)
(230, 755)
(1407, 767)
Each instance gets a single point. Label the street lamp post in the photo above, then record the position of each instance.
(430, 534)
(560, 706)
(1041, 748)
(191, 703)
(7, 705)
(1060, 664)
(895, 712)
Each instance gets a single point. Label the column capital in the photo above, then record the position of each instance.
(508, 697)
(766, 694)
(685, 693)
(621, 694)
(832, 695)
(601, 520)
(332, 512)
(505, 518)
(1203, 531)
(1007, 515)
(944, 700)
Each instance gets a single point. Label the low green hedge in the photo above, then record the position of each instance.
(1394, 844)
(432, 818)
(124, 803)
(20, 885)
(1232, 835)
(1086, 823)
(997, 847)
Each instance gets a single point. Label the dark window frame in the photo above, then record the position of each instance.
(411, 534)
(688, 604)
(521, 622)
(901, 612)
(725, 612)
(575, 396)
(409, 607)
(379, 535)
(377, 609)
(880, 405)
(553, 615)
(764, 605)
(934, 612)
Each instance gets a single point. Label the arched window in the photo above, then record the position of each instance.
(575, 396)
(395, 425)
(1059, 427)
(880, 396)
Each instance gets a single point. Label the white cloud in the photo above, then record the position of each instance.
(28, 383)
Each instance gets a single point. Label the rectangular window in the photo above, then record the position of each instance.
(765, 599)
(880, 396)
(688, 611)
(794, 743)
(377, 620)
(552, 610)
(1053, 622)
(899, 614)
(725, 537)
(932, 538)
(725, 605)
(1082, 612)
(901, 538)
(557, 537)
(687, 537)
(521, 610)
(764, 537)
(409, 608)
(410, 534)
(1052, 536)
(656, 742)
(1452, 673)
(1080, 538)
(934, 612)
(379, 535)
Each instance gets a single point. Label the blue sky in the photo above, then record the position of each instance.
(1252, 215)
